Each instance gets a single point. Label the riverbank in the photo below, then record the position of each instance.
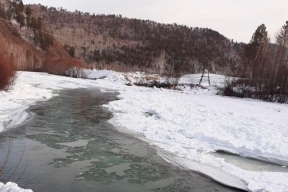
(189, 124)
(70, 147)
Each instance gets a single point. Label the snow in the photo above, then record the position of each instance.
(12, 187)
(215, 80)
(28, 89)
(98, 74)
(190, 125)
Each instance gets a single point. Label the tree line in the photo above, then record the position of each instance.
(265, 74)
(141, 43)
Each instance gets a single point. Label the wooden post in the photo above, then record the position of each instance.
(202, 76)
(205, 65)
(209, 77)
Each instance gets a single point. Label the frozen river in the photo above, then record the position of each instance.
(70, 146)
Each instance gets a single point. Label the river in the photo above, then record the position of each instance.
(70, 146)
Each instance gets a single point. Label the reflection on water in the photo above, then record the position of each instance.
(69, 146)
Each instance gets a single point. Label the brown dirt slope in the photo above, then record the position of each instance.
(23, 54)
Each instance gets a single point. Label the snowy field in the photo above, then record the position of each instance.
(190, 124)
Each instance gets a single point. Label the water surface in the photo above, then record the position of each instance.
(69, 146)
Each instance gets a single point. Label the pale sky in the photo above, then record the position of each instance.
(235, 19)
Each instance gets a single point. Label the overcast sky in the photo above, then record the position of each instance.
(235, 19)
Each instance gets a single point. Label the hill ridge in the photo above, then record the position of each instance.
(124, 44)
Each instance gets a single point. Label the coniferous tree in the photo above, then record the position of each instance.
(255, 47)
(258, 37)
(282, 38)
(281, 59)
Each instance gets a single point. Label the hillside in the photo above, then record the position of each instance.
(33, 34)
(123, 44)
(26, 47)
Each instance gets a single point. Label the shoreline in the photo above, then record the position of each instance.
(216, 174)
(246, 127)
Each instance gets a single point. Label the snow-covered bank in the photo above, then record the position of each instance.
(30, 88)
(206, 122)
(188, 124)
(12, 187)
(191, 124)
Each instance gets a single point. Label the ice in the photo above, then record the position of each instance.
(196, 122)
(76, 144)
(188, 124)
(12, 187)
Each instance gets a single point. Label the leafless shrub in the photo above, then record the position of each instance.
(7, 73)
(268, 79)
(76, 72)
(60, 66)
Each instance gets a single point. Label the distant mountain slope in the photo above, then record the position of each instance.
(26, 47)
(115, 42)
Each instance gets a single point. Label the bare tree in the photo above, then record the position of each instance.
(268, 79)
